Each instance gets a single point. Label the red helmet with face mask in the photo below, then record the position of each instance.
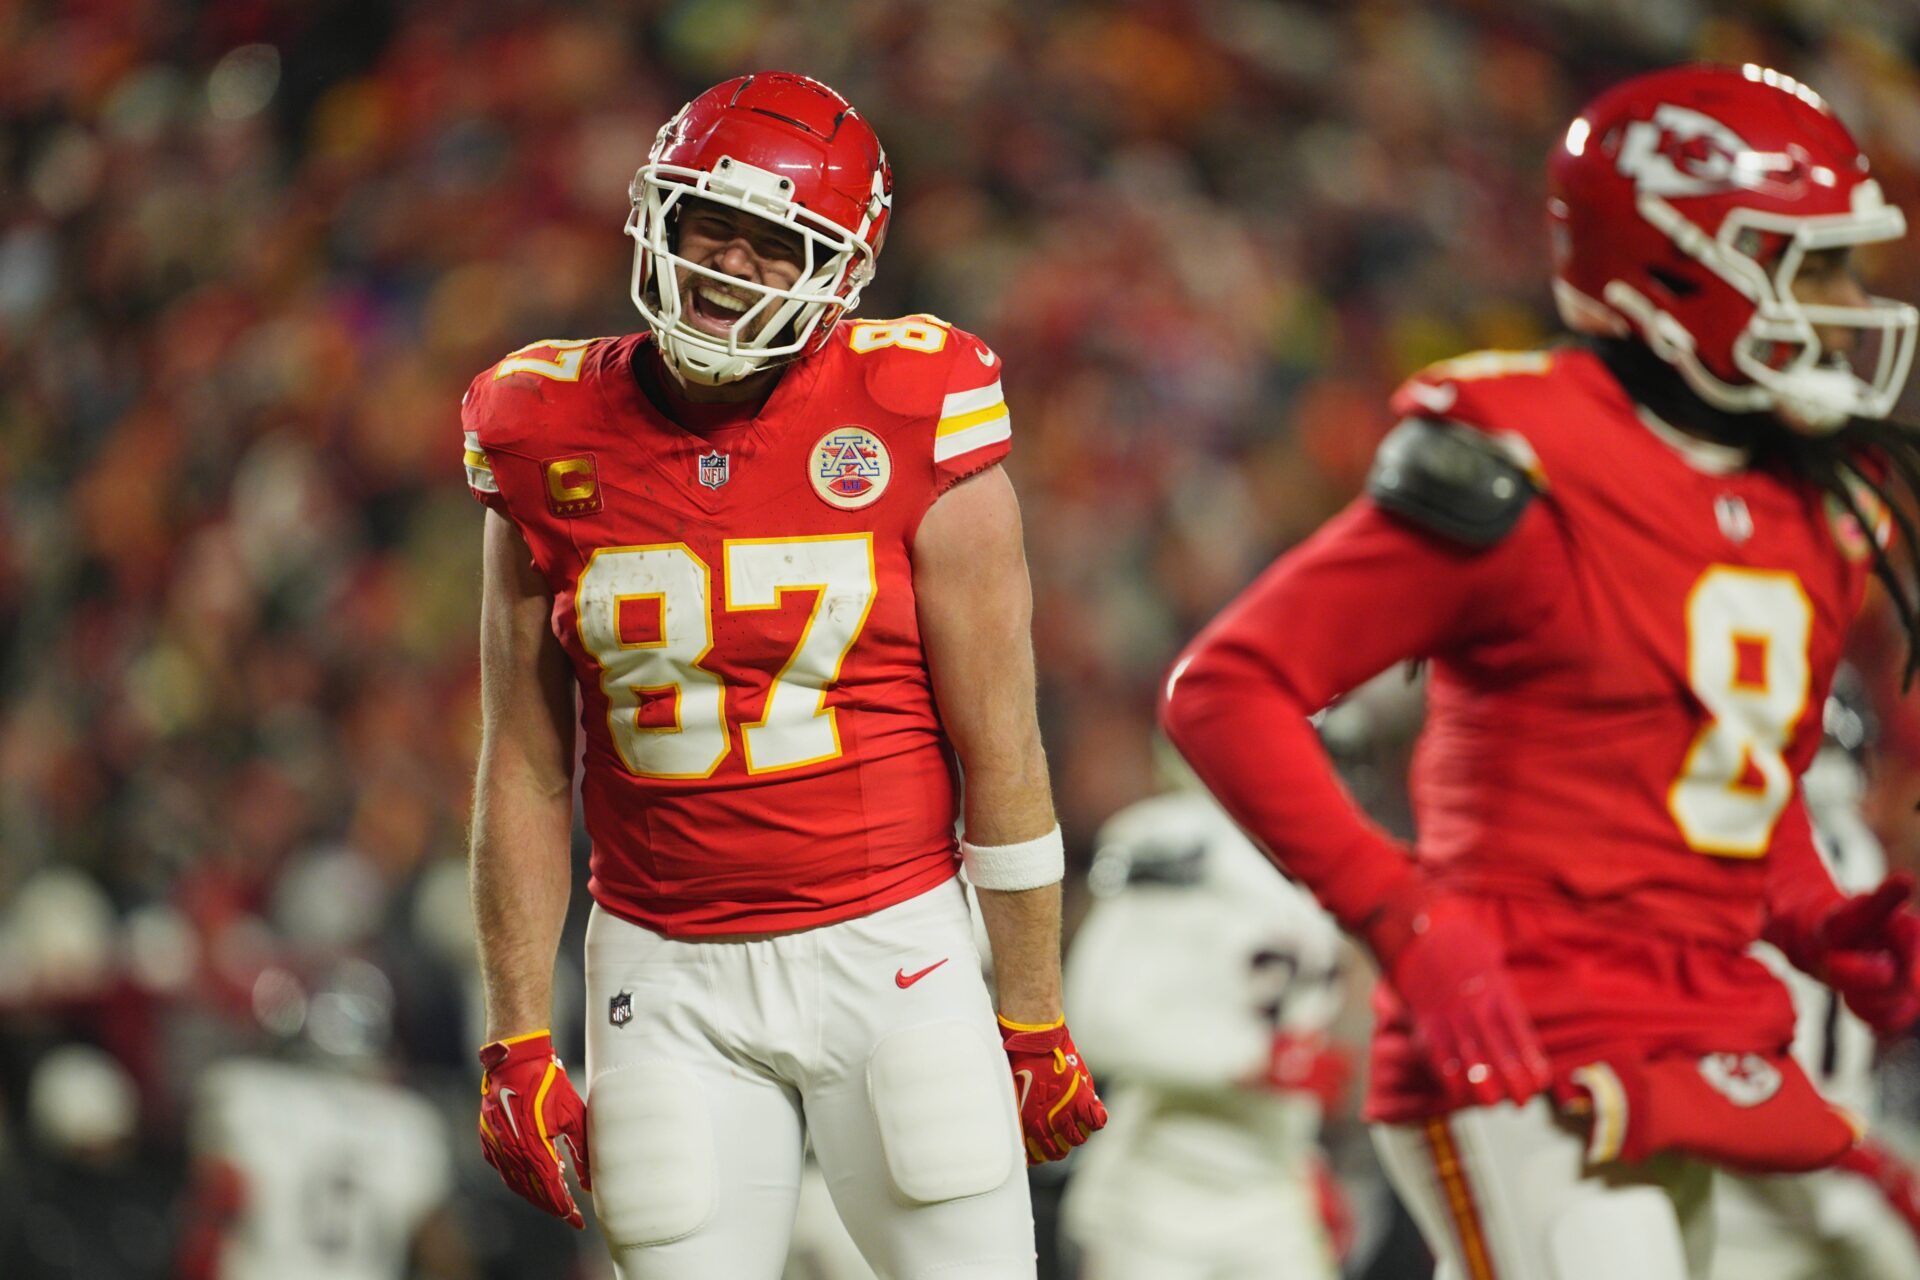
(784, 148)
(1684, 202)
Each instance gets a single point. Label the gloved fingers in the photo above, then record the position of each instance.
(1903, 940)
(1898, 1016)
(1862, 971)
(548, 1190)
(575, 1136)
(1859, 921)
(1078, 1122)
(1445, 1055)
(1480, 1051)
(1525, 1064)
(1044, 1145)
(533, 1176)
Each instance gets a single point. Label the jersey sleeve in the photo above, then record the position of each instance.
(1366, 592)
(974, 430)
(474, 408)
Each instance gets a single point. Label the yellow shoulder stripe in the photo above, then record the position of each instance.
(961, 421)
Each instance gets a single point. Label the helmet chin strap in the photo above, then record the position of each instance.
(705, 368)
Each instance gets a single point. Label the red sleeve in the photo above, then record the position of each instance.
(1366, 592)
(473, 423)
(1800, 891)
(974, 430)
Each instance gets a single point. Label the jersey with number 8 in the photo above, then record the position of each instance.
(1618, 714)
(763, 751)
(1639, 741)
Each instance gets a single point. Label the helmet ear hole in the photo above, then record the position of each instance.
(1674, 282)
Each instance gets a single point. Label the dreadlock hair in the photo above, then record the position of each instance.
(1868, 458)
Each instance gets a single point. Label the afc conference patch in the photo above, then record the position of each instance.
(620, 1009)
(849, 468)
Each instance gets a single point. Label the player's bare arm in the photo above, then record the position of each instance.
(522, 827)
(975, 605)
(523, 791)
(976, 611)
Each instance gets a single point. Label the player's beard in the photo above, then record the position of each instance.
(1659, 388)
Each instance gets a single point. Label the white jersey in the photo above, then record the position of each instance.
(338, 1173)
(1196, 953)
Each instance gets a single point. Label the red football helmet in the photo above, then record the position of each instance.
(1683, 203)
(787, 149)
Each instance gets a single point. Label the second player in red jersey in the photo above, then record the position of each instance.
(1629, 566)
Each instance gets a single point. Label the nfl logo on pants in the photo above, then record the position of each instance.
(620, 1009)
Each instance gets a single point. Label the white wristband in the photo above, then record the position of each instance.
(1012, 867)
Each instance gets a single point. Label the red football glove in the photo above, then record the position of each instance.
(526, 1104)
(1058, 1107)
(1870, 954)
(1894, 1177)
(1466, 1018)
(1308, 1064)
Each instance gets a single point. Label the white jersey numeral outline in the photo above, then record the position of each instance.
(1748, 662)
(796, 728)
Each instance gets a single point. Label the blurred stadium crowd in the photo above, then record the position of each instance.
(250, 254)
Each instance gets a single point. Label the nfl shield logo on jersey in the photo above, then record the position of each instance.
(713, 469)
(620, 1008)
(1736, 522)
(849, 468)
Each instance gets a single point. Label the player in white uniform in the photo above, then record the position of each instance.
(320, 1175)
(1203, 983)
(1833, 1222)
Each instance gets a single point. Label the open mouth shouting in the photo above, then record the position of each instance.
(714, 308)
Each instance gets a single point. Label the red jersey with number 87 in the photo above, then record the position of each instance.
(763, 751)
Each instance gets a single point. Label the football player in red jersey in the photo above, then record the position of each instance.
(774, 550)
(1630, 565)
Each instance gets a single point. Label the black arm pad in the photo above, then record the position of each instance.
(1451, 480)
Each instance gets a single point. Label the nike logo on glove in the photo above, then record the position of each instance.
(902, 979)
(506, 1104)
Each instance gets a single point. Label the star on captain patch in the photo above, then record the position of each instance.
(713, 469)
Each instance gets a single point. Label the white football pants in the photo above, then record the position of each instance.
(710, 1063)
(1503, 1193)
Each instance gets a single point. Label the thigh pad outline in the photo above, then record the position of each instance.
(653, 1155)
(942, 1099)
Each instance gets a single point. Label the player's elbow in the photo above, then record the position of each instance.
(1205, 680)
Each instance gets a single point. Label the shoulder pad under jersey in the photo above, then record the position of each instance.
(1451, 480)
